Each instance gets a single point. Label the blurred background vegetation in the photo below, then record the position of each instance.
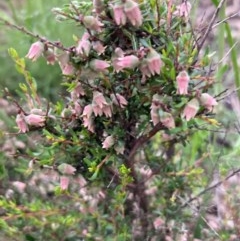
(37, 17)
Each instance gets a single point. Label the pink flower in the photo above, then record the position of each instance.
(20, 186)
(64, 182)
(108, 142)
(183, 10)
(158, 223)
(50, 56)
(35, 51)
(98, 6)
(144, 68)
(154, 117)
(35, 120)
(119, 148)
(65, 65)
(119, 15)
(99, 99)
(133, 13)
(154, 62)
(207, 101)
(68, 69)
(84, 45)
(99, 65)
(119, 100)
(98, 47)
(63, 59)
(92, 23)
(191, 109)
(21, 123)
(77, 92)
(87, 111)
(66, 169)
(88, 123)
(167, 119)
(77, 108)
(118, 52)
(107, 110)
(127, 62)
(97, 110)
(155, 107)
(182, 83)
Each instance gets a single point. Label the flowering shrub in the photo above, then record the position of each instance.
(136, 89)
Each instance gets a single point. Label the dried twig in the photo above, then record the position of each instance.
(210, 25)
(210, 188)
(37, 36)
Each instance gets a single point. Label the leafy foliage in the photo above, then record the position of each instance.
(119, 155)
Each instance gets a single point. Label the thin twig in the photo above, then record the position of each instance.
(229, 51)
(37, 36)
(210, 188)
(210, 25)
(226, 19)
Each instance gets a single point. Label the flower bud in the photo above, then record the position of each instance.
(98, 47)
(67, 169)
(68, 69)
(97, 110)
(118, 52)
(155, 107)
(154, 62)
(108, 142)
(119, 100)
(21, 123)
(207, 101)
(65, 64)
(88, 123)
(166, 119)
(50, 56)
(107, 110)
(128, 62)
(182, 83)
(35, 120)
(87, 111)
(35, 51)
(77, 92)
(84, 45)
(98, 65)
(191, 109)
(119, 15)
(99, 99)
(92, 23)
(64, 182)
(144, 68)
(133, 13)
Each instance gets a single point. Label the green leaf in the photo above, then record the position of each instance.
(13, 53)
(23, 87)
(95, 174)
(215, 2)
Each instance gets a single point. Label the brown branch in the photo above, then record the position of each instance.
(37, 36)
(143, 139)
(210, 25)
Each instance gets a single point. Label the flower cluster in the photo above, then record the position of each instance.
(106, 74)
(127, 10)
(35, 119)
